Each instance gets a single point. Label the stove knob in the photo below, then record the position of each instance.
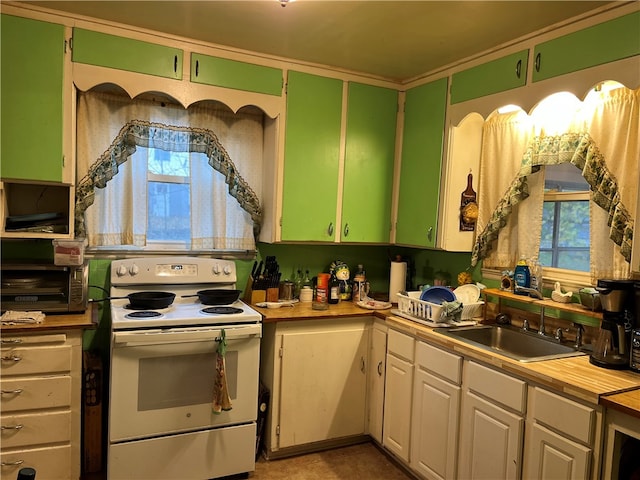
(216, 269)
(134, 270)
(121, 271)
(227, 270)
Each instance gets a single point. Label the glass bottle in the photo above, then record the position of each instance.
(334, 289)
(358, 281)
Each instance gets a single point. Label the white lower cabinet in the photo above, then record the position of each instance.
(560, 438)
(40, 403)
(435, 413)
(492, 424)
(398, 394)
(316, 371)
(377, 362)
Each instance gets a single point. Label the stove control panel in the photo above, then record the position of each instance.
(183, 270)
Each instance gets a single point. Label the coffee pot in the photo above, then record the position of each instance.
(611, 349)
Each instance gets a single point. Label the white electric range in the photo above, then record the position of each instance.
(162, 423)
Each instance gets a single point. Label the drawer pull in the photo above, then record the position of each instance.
(17, 391)
(8, 341)
(11, 358)
(12, 464)
(13, 427)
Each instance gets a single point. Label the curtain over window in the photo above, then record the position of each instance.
(601, 139)
(115, 138)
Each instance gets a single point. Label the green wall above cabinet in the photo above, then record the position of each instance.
(606, 42)
(492, 77)
(104, 50)
(227, 73)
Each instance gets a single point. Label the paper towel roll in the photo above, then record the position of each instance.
(397, 280)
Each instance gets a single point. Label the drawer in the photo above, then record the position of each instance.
(35, 428)
(435, 360)
(561, 414)
(400, 345)
(34, 393)
(36, 359)
(508, 391)
(49, 463)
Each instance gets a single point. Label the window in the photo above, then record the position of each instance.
(564, 241)
(157, 176)
(169, 193)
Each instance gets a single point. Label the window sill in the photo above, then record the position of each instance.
(570, 280)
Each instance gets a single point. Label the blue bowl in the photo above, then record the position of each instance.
(437, 295)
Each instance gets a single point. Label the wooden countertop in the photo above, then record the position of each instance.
(86, 320)
(304, 311)
(626, 402)
(574, 376)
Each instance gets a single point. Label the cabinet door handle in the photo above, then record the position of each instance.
(330, 229)
(12, 464)
(11, 358)
(7, 341)
(12, 427)
(175, 64)
(346, 230)
(380, 368)
(362, 364)
(430, 233)
(17, 391)
(537, 63)
(197, 67)
(519, 68)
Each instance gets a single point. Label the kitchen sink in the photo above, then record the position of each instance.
(512, 342)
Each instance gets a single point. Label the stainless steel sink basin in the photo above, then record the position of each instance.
(511, 342)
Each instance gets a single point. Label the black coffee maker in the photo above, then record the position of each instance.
(611, 349)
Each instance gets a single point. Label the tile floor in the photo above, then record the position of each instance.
(363, 461)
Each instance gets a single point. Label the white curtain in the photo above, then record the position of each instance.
(504, 140)
(118, 213)
(611, 120)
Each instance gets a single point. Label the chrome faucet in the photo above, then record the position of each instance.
(579, 332)
(531, 291)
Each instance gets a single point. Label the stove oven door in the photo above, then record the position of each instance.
(162, 381)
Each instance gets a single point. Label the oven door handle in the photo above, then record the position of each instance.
(159, 337)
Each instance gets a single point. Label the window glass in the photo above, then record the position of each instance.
(564, 241)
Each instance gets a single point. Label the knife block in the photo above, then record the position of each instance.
(252, 296)
(273, 294)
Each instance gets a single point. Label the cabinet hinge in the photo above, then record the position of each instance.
(278, 430)
(64, 161)
(280, 221)
(286, 88)
(280, 353)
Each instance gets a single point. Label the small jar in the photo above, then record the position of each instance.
(306, 294)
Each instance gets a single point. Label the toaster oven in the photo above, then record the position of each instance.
(44, 287)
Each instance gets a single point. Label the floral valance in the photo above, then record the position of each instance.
(580, 150)
(169, 138)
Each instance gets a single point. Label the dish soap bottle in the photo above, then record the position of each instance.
(522, 275)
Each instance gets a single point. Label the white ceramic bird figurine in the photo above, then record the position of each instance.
(558, 296)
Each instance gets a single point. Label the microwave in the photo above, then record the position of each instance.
(44, 287)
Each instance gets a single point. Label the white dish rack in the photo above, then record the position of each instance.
(410, 304)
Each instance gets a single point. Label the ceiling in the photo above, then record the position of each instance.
(396, 40)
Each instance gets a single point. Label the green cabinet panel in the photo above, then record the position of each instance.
(104, 50)
(32, 67)
(311, 157)
(492, 77)
(369, 160)
(222, 72)
(606, 42)
(422, 145)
